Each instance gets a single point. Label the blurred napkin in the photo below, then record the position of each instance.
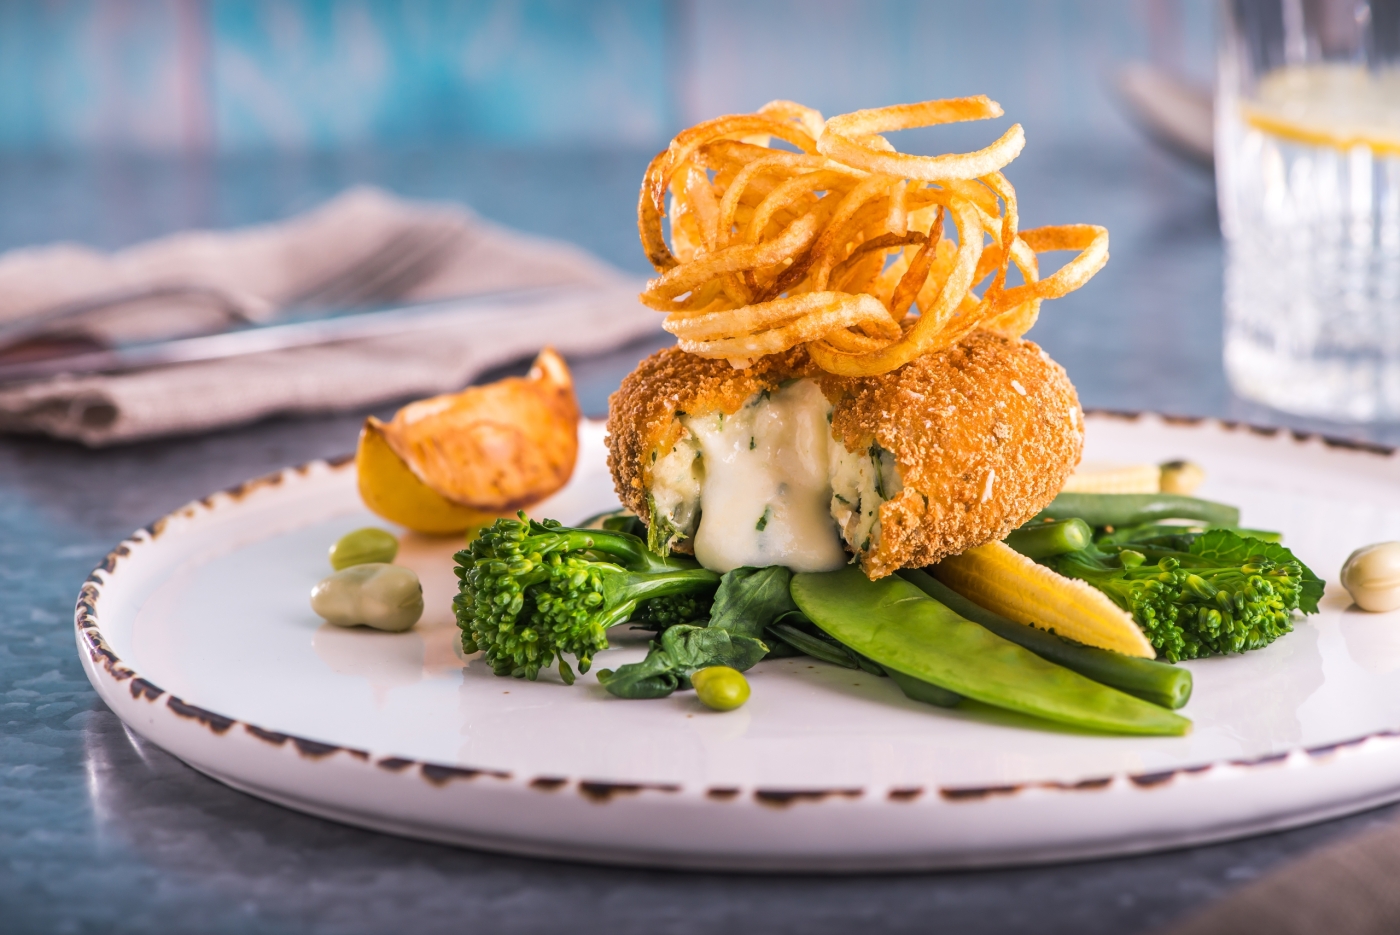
(1347, 888)
(263, 265)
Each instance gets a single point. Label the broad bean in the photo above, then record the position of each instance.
(1371, 576)
(386, 597)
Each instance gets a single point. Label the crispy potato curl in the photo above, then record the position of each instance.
(840, 242)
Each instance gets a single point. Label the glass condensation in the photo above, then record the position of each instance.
(1312, 277)
(1307, 149)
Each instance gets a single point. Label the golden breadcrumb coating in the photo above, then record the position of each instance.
(984, 434)
(642, 414)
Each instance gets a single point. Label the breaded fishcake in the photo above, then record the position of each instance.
(643, 413)
(982, 435)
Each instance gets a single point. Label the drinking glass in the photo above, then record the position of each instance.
(1307, 155)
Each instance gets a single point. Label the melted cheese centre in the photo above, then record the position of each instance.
(765, 488)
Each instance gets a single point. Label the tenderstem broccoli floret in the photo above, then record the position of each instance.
(532, 593)
(660, 613)
(1223, 594)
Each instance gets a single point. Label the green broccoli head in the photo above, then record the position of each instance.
(1224, 593)
(663, 612)
(532, 593)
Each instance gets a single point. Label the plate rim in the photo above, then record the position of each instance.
(110, 674)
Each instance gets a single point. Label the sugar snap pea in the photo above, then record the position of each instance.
(903, 629)
(839, 655)
(1157, 682)
(927, 692)
(1132, 509)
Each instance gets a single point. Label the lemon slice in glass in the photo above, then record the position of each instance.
(1337, 105)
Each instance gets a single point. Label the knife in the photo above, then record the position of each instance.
(351, 325)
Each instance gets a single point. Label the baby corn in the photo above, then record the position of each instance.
(1115, 478)
(1006, 582)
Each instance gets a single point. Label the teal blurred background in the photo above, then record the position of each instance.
(122, 120)
(240, 76)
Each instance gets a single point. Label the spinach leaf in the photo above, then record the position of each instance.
(749, 599)
(653, 677)
(691, 647)
(683, 649)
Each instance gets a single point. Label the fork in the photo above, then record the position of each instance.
(395, 265)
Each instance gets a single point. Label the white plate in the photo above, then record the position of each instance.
(197, 633)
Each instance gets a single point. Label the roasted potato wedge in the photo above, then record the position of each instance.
(491, 449)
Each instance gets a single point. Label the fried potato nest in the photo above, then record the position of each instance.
(829, 243)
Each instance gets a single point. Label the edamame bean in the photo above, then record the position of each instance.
(362, 547)
(720, 687)
(386, 597)
(1371, 576)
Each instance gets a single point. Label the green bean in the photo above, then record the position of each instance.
(813, 646)
(362, 547)
(620, 520)
(896, 624)
(1042, 540)
(1132, 509)
(868, 664)
(1157, 682)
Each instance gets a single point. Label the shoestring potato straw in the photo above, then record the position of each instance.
(844, 245)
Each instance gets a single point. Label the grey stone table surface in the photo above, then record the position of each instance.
(101, 832)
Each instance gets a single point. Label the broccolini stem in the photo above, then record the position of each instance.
(629, 551)
(622, 593)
